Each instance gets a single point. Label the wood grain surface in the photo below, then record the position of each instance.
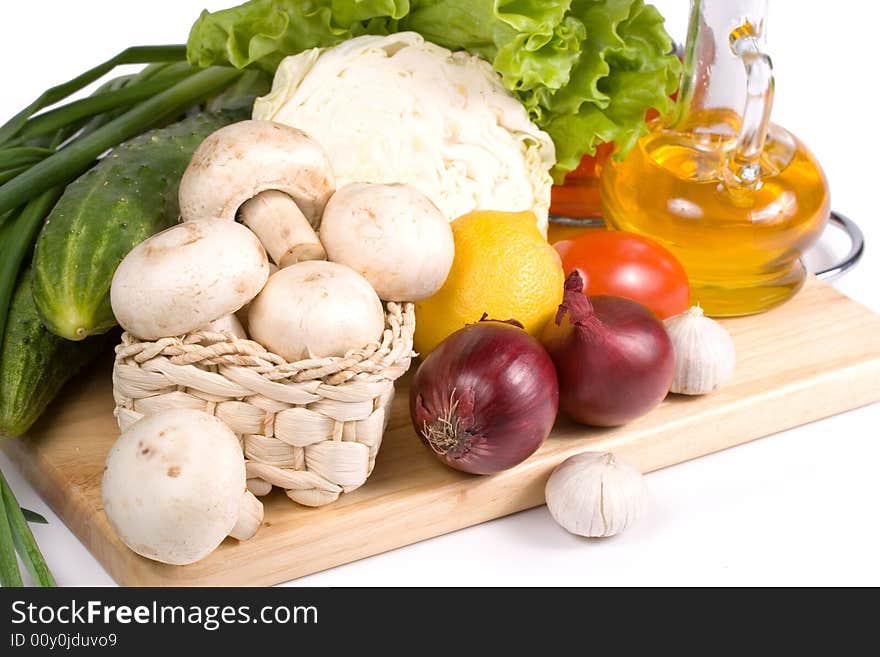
(816, 356)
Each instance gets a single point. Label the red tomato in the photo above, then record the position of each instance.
(627, 265)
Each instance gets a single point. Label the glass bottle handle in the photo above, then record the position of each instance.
(744, 165)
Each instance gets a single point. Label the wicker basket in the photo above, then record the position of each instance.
(312, 427)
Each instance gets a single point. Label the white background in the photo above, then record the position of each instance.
(799, 508)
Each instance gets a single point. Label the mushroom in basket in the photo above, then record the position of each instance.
(187, 277)
(274, 178)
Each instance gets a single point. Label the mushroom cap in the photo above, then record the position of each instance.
(392, 235)
(173, 484)
(316, 309)
(186, 277)
(240, 160)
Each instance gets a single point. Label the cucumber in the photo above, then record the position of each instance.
(34, 363)
(128, 196)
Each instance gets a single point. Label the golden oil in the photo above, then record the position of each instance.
(741, 245)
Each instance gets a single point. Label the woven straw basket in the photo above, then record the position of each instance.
(312, 427)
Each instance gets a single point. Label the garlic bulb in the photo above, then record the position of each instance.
(593, 494)
(704, 353)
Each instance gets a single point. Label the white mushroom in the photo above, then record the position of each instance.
(227, 324)
(275, 178)
(174, 487)
(282, 228)
(393, 235)
(316, 309)
(186, 277)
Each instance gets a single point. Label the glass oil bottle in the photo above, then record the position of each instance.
(736, 198)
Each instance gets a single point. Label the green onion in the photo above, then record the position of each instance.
(74, 127)
(23, 538)
(151, 73)
(162, 70)
(11, 158)
(69, 162)
(159, 76)
(9, 573)
(33, 517)
(145, 73)
(9, 174)
(51, 121)
(134, 55)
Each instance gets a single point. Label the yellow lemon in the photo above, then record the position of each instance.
(503, 267)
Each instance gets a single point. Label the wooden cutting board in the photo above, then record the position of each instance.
(816, 356)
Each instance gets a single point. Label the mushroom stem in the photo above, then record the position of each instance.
(282, 228)
(259, 487)
(226, 324)
(249, 518)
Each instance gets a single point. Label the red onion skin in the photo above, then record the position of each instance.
(614, 358)
(498, 384)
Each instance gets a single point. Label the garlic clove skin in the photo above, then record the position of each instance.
(705, 356)
(596, 495)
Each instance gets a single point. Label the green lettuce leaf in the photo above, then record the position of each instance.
(261, 33)
(587, 71)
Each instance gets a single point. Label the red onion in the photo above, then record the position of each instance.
(486, 398)
(614, 359)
